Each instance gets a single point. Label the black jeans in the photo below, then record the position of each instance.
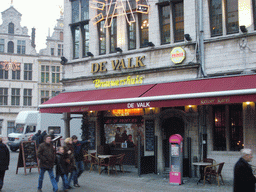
(2, 173)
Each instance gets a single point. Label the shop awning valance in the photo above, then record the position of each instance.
(211, 91)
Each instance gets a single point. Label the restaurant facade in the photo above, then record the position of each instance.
(157, 68)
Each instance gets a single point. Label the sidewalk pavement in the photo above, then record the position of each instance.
(93, 182)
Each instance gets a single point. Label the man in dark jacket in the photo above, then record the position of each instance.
(4, 161)
(79, 157)
(46, 161)
(36, 137)
(244, 180)
(41, 137)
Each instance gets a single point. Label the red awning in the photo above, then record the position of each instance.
(223, 90)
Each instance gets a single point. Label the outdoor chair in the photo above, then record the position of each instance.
(119, 161)
(212, 161)
(215, 171)
(87, 158)
(94, 161)
(108, 163)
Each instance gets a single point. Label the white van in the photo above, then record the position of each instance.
(29, 122)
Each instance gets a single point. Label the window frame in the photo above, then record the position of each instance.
(28, 69)
(11, 28)
(161, 6)
(10, 47)
(211, 15)
(3, 96)
(15, 97)
(102, 34)
(3, 73)
(113, 36)
(140, 17)
(2, 45)
(27, 97)
(176, 32)
(21, 47)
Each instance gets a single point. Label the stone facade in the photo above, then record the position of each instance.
(224, 55)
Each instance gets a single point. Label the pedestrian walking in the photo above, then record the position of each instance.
(4, 161)
(244, 180)
(61, 168)
(41, 137)
(79, 157)
(70, 160)
(36, 137)
(46, 162)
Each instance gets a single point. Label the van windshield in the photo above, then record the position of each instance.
(19, 128)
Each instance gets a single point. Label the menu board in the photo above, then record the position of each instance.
(149, 133)
(92, 135)
(27, 155)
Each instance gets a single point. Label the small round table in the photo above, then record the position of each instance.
(202, 165)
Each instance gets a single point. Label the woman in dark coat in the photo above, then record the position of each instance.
(244, 180)
(4, 161)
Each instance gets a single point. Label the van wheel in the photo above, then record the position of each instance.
(13, 149)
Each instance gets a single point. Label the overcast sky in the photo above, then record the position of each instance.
(41, 14)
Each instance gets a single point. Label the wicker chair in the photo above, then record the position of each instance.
(119, 161)
(108, 163)
(215, 172)
(94, 161)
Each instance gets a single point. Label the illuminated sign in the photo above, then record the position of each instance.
(118, 64)
(178, 55)
(117, 8)
(119, 82)
(127, 112)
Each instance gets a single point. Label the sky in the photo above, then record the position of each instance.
(36, 13)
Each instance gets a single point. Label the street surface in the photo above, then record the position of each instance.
(93, 182)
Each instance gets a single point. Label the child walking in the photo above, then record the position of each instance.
(61, 168)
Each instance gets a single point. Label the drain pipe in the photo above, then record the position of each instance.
(201, 39)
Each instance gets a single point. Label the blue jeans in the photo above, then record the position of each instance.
(71, 177)
(64, 181)
(79, 171)
(51, 175)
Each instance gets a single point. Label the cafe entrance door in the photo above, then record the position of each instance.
(170, 126)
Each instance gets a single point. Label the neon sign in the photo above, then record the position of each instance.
(114, 8)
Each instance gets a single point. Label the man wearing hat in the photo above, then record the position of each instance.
(244, 180)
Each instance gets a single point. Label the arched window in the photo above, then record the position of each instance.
(10, 47)
(11, 28)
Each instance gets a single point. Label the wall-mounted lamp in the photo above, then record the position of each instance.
(118, 49)
(63, 60)
(187, 37)
(243, 29)
(150, 44)
(90, 54)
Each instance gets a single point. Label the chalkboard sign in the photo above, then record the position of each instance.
(27, 156)
(92, 135)
(149, 134)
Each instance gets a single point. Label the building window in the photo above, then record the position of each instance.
(61, 36)
(165, 12)
(10, 127)
(178, 21)
(143, 23)
(60, 50)
(10, 47)
(15, 98)
(55, 93)
(76, 40)
(84, 10)
(86, 39)
(215, 8)
(55, 74)
(113, 36)
(52, 51)
(228, 128)
(3, 96)
(1, 126)
(44, 74)
(16, 74)
(1, 45)
(28, 71)
(3, 73)
(11, 28)
(131, 28)
(102, 37)
(21, 47)
(44, 96)
(216, 17)
(75, 11)
(27, 100)
(232, 16)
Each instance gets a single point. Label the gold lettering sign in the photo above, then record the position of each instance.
(113, 83)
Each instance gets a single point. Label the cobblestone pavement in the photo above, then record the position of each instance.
(93, 182)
